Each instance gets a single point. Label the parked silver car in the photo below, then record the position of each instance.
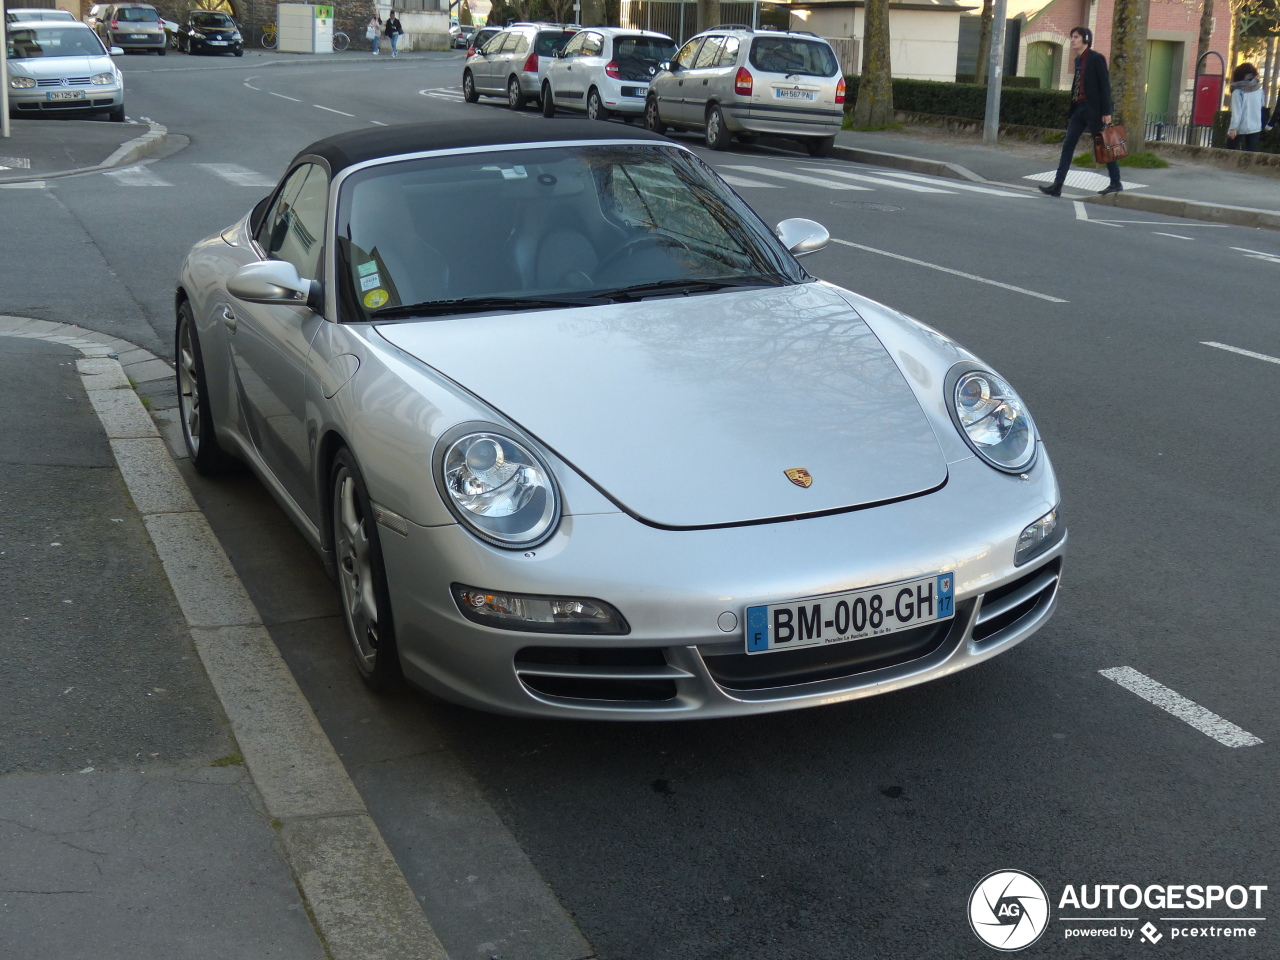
(60, 68)
(130, 26)
(605, 71)
(744, 82)
(581, 438)
(513, 63)
(16, 14)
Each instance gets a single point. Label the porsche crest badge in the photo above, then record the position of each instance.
(799, 476)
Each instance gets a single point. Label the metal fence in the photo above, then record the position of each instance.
(678, 19)
(1161, 129)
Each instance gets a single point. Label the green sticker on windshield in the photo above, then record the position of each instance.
(364, 269)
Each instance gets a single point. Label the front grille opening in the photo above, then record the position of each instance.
(593, 688)
(740, 671)
(592, 656)
(986, 628)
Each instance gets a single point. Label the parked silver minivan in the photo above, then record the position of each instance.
(735, 81)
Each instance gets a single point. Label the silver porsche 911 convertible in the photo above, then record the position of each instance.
(581, 438)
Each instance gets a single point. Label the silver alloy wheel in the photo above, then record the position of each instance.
(595, 110)
(469, 88)
(354, 555)
(515, 99)
(189, 390)
(717, 136)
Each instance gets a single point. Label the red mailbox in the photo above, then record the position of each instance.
(1208, 93)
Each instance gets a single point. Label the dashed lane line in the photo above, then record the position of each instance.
(954, 273)
(331, 110)
(283, 97)
(1176, 236)
(1258, 254)
(1175, 704)
(1243, 353)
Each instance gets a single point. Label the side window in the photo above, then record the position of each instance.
(685, 57)
(709, 53)
(574, 47)
(729, 52)
(521, 46)
(592, 46)
(293, 229)
(502, 43)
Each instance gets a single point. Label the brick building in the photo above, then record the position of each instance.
(1173, 29)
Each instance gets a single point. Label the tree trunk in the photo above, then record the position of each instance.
(592, 11)
(1129, 69)
(984, 41)
(708, 14)
(1206, 31)
(875, 90)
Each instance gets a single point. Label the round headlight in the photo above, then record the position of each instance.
(22, 83)
(499, 488)
(993, 419)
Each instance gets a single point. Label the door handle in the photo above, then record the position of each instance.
(704, 83)
(229, 318)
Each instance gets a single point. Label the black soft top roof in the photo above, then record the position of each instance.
(357, 146)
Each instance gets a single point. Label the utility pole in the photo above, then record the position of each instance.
(995, 76)
(4, 79)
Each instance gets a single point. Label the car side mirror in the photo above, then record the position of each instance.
(802, 237)
(668, 66)
(274, 282)
(116, 51)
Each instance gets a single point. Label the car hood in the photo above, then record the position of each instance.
(689, 411)
(54, 68)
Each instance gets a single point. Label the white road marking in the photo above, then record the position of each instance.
(1259, 254)
(283, 97)
(1081, 212)
(377, 123)
(331, 110)
(954, 273)
(744, 182)
(1176, 236)
(1243, 353)
(29, 185)
(915, 187)
(1188, 711)
(11, 163)
(442, 93)
(1083, 180)
(137, 177)
(799, 178)
(238, 175)
(953, 184)
(251, 86)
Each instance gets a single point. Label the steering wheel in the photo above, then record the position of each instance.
(636, 244)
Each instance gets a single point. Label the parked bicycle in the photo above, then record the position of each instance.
(269, 37)
(340, 40)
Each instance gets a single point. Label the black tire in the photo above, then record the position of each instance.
(240, 52)
(469, 92)
(548, 101)
(198, 432)
(116, 114)
(163, 50)
(362, 576)
(652, 118)
(820, 146)
(515, 96)
(596, 110)
(749, 138)
(717, 134)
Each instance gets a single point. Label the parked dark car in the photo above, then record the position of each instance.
(209, 32)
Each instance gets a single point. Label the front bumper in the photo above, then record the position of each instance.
(35, 103)
(673, 587)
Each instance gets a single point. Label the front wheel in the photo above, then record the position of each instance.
(362, 578)
(652, 119)
(548, 101)
(718, 136)
(515, 96)
(820, 146)
(194, 409)
(341, 41)
(596, 110)
(117, 114)
(469, 92)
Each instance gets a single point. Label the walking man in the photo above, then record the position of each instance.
(1090, 107)
(394, 30)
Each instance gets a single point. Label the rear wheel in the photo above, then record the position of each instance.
(362, 578)
(652, 119)
(548, 103)
(515, 96)
(198, 433)
(469, 93)
(820, 146)
(596, 110)
(163, 50)
(718, 136)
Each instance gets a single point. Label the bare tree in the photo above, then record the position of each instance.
(1206, 31)
(1129, 69)
(875, 90)
(984, 41)
(708, 14)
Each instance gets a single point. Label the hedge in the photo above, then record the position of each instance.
(1030, 108)
(1031, 83)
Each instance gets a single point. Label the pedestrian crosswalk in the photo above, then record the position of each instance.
(444, 93)
(143, 175)
(844, 179)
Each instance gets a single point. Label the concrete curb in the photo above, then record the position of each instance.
(131, 151)
(878, 158)
(359, 901)
(1190, 209)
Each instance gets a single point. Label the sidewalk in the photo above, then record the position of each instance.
(166, 788)
(38, 149)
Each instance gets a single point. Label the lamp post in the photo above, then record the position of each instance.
(995, 77)
(4, 79)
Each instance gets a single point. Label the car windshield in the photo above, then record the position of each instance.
(549, 226)
(14, 16)
(648, 50)
(137, 14)
(212, 20)
(30, 43)
(793, 56)
(551, 42)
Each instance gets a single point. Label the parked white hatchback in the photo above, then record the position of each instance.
(605, 71)
(61, 68)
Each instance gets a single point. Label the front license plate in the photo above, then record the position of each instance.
(843, 617)
(66, 95)
(217, 43)
(794, 93)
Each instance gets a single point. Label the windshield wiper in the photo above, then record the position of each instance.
(436, 308)
(676, 287)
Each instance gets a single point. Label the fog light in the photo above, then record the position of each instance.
(1038, 537)
(534, 614)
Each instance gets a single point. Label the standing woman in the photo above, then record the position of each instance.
(1246, 107)
(373, 32)
(394, 30)
(1090, 107)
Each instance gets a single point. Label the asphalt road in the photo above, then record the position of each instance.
(859, 829)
